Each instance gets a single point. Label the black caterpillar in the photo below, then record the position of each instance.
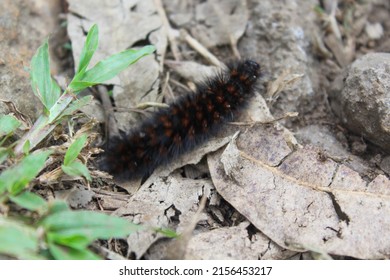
(186, 123)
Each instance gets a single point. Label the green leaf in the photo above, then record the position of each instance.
(74, 149)
(17, 240)
(86, 224)
(55, 92)
(75, 169)
(109, 68)
(42, 84)
(112, 66)
(8, 124)
(30, 201)
(16, 178)
(69, 239)
(64, 253)
(76, 85)
(89, 48)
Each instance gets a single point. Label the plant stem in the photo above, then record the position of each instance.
(45, 123)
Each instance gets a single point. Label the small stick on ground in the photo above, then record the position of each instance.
(202, 50)
(172, 40)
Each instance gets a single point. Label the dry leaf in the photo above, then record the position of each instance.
(162, 203)
(300, 198)
(234, 243)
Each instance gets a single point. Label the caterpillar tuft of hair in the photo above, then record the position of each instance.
(188, 121)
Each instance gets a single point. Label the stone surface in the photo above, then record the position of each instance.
(23, 28)
(361, 98)
(279, 36)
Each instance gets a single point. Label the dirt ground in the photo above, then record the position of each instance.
(297, 182)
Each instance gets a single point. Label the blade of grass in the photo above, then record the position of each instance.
(16, 178)
(112, 66)
(74, 149)
(91, 224)
(76, 169)
(30, 201)
(109, 68)
(17, 240)
(54, 94)
(75, 241)
(42, 84)
(65, 253)
(102, 71)
(89, 48)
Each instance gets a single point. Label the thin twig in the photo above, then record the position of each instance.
(223, 19)
(285, 116)
(333, 21)
(202, 50)
(169, 30)
(145, 105)
(177, 249)
(111, 126)
(165, 86)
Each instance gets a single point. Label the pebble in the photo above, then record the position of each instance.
(361, 98)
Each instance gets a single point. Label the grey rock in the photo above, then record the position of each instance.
(361, 98)
(279, 34)
(23, 28)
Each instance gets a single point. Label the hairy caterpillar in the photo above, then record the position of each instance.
(186, 123)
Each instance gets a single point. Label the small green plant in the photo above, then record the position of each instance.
(60, 233)
(51, 230)
(57, 105)
(71, 165)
